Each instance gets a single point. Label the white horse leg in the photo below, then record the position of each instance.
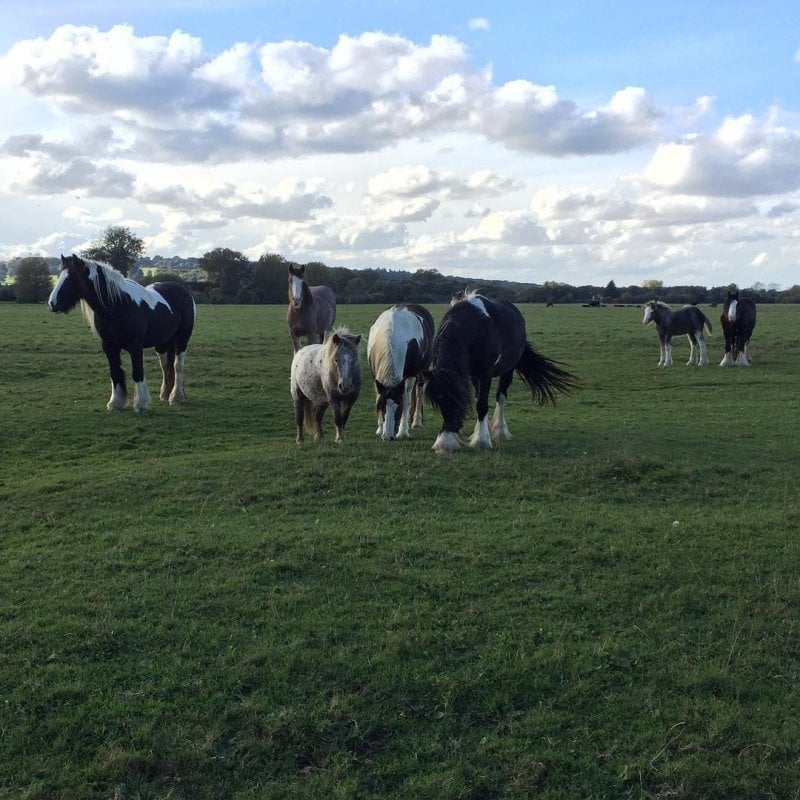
(446, 442)
(408, 390)
(693, 354)
(389, 416)
(480, 436)
(727, 360)
(668, 355)
(499, 428)
(662, 354)
(178, 395)
(703, 351)
(379, 429)
(741, 359)
(419, 402)
(118, 399)
(141, 397)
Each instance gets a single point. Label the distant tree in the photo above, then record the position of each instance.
(611, 292)
(33, 283)
(269, 278)
(228, 269)
(116, 246)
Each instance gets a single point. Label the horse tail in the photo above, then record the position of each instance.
(707, 322)
(308, 416)
(543, 376)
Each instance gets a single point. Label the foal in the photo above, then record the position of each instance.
(689, 320)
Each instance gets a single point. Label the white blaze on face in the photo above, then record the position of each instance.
(297, 289)
(53, 299)
(648, 315)
(388, 420)
(732, 310)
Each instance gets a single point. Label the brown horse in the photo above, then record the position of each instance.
(312, 309)
(325, 375)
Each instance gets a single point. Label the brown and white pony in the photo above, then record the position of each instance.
(312, 309)
(325, 375)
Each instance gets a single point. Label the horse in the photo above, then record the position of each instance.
(398, 350)
(325, 375)
(479, 339)
(689, 320)
(129, 316)
(311, 311)
(738, 323)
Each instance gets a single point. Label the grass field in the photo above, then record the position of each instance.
(607, 606)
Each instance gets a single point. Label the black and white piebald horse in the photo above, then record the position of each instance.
(689, 320)
(738, 323)
(479, 339)
(129, 316)
(398, 350)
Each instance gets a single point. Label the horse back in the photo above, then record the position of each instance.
(325, 306)
(183, 309)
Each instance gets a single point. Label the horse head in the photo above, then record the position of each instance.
(731, 304)
(71, 286)
(296, 284)
(649, 310)
(343, 361)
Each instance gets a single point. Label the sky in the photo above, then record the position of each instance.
(579, 142)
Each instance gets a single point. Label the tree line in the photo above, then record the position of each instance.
(223, 275)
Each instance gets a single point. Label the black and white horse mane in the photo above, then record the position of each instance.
(111, 288)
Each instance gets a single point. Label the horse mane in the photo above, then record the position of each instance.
(115, 286)
(343, 333)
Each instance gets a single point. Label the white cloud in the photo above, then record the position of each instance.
(744, 157)
(479, 24)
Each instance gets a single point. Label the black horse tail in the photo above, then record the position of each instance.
(707, 322)
(543, 376)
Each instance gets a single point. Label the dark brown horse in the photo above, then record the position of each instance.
(312, 309)
(738, 323)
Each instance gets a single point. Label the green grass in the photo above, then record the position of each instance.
(191, 606)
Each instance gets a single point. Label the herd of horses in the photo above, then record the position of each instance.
(452, 366)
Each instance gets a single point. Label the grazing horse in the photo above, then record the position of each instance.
(689, 320)
(129, 316)
(738, 323)
(479, 339)
(325, 375)
(398, 350)
(312, 309)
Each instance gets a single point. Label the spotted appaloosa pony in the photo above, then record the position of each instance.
(479, 339)
(398, 350)
(738, 323)
(128, 316)
(323, 375)
(689, 320)
(311, 311)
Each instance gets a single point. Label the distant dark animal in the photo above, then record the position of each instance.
(479, 339)
(312, 309)
(128, 316)
(549, 304)
(325, 375)
(738, 323)
(689, 320)
(398, 350)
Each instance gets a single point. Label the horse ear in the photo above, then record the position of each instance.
(335, 338)
(357, 339)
